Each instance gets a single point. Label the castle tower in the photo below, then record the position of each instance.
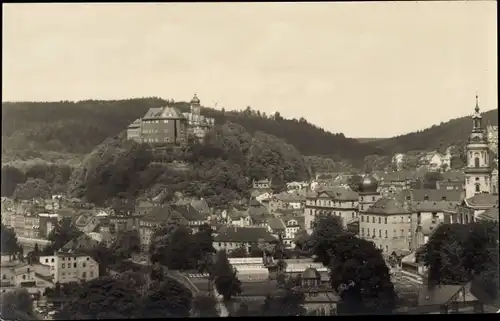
(478, 170)
(195, 105)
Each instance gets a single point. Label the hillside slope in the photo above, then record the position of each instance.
(78, 127)
(438, 137)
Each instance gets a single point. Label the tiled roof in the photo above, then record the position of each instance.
(276, 224)
(290, 197)
(136, 123)
(433, 206)
(257, 211)
(438, 295)
(454, 176)
(243, 235)
(236, 214)
(436, 195)
(397, 176)
(489, 215)
(341, 194)
(163, 112)
(189, 213)
(157, 214)
(387, 205)
(200, 205)
(483, 199)
(83, 241)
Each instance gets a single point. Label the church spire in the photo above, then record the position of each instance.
(477, 104)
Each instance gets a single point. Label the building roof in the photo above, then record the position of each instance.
(489, 215)
(434, 206)
(439, 294)
(189, 213)
(311, 273)
(200, 205)
(163, 112)
(368, 184)
(156, 214)
(236, 214)
(389, 206)
(483, 199)
(452, 176)
(135, 124)
(434, 195)
(83, 241)
(243, 235)
(340, 194)
(290, 197)
(276, 224)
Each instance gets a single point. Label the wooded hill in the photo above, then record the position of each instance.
(78, 127)
(438, 137)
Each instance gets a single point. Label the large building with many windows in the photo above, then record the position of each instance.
(168, 126)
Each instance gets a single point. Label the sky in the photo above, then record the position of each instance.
(364, 69)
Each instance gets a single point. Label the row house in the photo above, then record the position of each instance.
(341, 202)
(71, 266)
(34, 278)
(232, 238)
(285, 201)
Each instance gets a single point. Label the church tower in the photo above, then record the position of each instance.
(195, 105)
(478, 170)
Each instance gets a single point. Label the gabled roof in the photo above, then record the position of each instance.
(440, 294)
(340, 194)
(83, 241)
(243, 235)
(189, 213)
(276, 224)
(434, 206)
(163, 112)
(156, 214)
(483, 199)
(200, 205)
(435, 195)
(388, 206)
(489, 215)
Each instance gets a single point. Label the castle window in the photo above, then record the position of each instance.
(476, 162)
(477, 188)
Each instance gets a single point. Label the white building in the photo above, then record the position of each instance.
(71, 266)
(478, 170)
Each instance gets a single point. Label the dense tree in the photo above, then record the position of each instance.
(360, 275)
(456, 253)
(238, 252)
(11, 177)
(431, 178)
(127, 244)
(175, 250)
(63, 232)
(288, 302)
(326, 229)
(203, 248)
(204, 306)
(301, 239)
(354, 182)
(17, 305)
(167, 298)
(104, 256)
(225, 277)
(32, 188)
(102, 298)
(10, 245)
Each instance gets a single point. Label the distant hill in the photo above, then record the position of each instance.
(77, 127)
(438, 137)
(369, 140)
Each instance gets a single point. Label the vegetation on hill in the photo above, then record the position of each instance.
(77, 127)
(220, 169)
(438, 137)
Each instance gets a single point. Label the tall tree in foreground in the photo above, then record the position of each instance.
(225, 277)
(17, 305)
(205, 306)
(167, 298)
(326, 229)
(361, 276)
(64, 231)
(9, 244)
(458, 253)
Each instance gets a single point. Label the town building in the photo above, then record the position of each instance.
(232, 238)
(341, 202)
(368, 192)
(167, 126)
(478, 170)
(71, 266)
(263, 184)
(393, 182)
(470, 209)
(34, 278)
(197, 124)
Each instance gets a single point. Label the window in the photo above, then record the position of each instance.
(476, 162)
(4, 277)
(84, 275)
(352, 214)
(52, 260)
(385, 233)
(373, 219)
(477, 188)
(84, 265)
(373, 233)
(46, 260)
(362, 232)
(362, 218)
(426, 197)
(373, 198)
(361, 199)
(379, 233)
(385, 220)
(402, 232)
(379, 220)
(74, 265)
(63, 265)
(91, 274)
(24, 277)
(387, 248)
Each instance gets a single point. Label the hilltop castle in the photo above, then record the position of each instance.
(168, 126)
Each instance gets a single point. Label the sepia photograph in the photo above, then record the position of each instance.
(249, 159)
